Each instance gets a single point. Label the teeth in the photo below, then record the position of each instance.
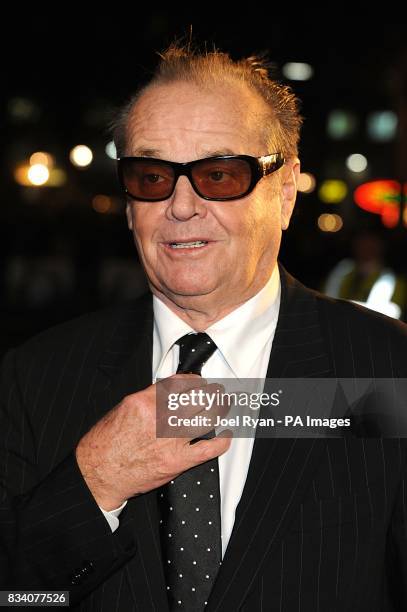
(180, 245)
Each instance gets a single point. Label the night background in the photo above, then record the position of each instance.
(65, 246)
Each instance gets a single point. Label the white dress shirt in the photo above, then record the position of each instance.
(243, 338)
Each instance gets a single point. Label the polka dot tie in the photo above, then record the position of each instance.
(189, 507)
(194, 352)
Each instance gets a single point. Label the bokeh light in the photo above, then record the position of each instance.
(382, 125)
(40, 157)
(341, 124)
(328, 222)
(356, 162)
(110, 150)
(102, 203)
(297, 71)
(332, 191)
(306, 182)
(81, 156)
(38, 174)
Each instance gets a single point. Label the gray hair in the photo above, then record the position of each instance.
(179, 63)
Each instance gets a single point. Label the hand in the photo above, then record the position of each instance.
(121, 456)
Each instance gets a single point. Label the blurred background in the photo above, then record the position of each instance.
(65, 247)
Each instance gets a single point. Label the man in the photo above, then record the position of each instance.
(301, 524)
(367, 278)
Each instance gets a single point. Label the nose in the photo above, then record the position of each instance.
(184, 202)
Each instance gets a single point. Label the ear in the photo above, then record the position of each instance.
(129, 216)
(291, 173)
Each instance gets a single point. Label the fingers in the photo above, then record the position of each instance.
(189, 408)
(182, 381)
(204, 450)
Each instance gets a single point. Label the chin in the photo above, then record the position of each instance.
(187, 288)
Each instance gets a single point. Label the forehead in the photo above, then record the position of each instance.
(183, 115)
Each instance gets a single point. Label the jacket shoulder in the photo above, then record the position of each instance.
(365, 339)
(93, 329)
(360, 317)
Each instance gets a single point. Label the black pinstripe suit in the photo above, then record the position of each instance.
(321, 524)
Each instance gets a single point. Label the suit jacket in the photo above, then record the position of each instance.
(321, 524)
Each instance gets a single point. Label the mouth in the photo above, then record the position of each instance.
(198, 243)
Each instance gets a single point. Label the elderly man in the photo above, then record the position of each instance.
(93, 501)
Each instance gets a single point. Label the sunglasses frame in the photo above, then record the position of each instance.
(260, 167)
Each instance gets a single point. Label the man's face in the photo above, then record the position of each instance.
(180, 122)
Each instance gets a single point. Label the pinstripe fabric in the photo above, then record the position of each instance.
(321, 525)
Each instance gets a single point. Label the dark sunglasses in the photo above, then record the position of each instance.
(220, 178)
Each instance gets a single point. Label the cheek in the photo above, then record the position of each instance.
(145, 221)
(237, 220)
(261, 223)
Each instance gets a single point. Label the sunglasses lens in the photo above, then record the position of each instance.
(146, 179)
(153, 180)
(222, 178)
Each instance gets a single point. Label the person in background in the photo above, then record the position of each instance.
(367, 280)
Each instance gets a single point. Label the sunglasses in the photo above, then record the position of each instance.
(221, 178)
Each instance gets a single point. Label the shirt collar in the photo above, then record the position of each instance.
(240, 336)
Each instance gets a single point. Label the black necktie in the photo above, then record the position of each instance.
(189, 506)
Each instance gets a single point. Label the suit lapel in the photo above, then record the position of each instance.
(280, 469)
(125, 365)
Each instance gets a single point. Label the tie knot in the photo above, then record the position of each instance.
(194, 352)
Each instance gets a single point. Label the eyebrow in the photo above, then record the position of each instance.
(145, 153)
(156, 153)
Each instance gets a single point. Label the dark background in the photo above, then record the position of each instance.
(73, 70)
